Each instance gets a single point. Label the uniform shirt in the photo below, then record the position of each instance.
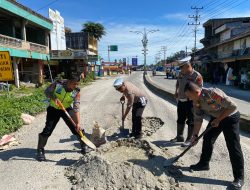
(213, 102)
(182, 80)
(132, 93)
(49, 92)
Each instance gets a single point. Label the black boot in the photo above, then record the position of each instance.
(237, 184)
(189, 136)
(84, 148)
(179, 137)
(200, 166)
(42, 140)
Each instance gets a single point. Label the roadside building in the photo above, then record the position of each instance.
(110, 68)
(68, 62)
(226, 45)
(82, 42)
(25, 34)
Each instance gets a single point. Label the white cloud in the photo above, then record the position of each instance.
(129, 44)
(178, 16)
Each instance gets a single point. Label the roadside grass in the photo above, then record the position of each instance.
(28, 101)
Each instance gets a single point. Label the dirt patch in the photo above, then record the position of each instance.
(150, 125)
(125, 164)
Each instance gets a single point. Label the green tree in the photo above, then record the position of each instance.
(96, 30)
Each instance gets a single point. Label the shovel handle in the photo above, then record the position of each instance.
(122, 114)
(83, 138)
(65, 111)
(190, 146)
(81, 133)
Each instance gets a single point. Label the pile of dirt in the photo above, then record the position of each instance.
(125, 164)
(150, 125)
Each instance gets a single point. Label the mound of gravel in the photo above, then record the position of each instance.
(150, 125)
(125, 164)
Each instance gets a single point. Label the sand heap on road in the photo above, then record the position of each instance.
(125, 164)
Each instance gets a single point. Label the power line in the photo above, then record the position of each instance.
(47, 5)
(225, 10)
(228, 4)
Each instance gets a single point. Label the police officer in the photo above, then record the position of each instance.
(136, 100)
(184, 105)
(224, 118)
(68, 93)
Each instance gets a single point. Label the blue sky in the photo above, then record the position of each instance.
(119, 17)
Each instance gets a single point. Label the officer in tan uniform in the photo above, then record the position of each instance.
(136, 100)
(224, 118)
(185, 106)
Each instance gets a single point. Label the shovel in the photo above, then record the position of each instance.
(124, 131)
(83, 137)
(171, 161)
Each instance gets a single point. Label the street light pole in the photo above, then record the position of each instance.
(109, 73)
(164, 49)
(145, 43)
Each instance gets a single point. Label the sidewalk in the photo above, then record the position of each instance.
(232, 91)
(166, 88)
(240, 97)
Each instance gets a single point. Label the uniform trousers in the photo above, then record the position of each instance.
(230, 128)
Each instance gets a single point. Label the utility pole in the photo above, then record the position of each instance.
(196, 23)
(186, 51)
(144, 43)
(164, 49)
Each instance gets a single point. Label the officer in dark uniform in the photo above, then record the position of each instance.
(224, 118)
(68, 93)
(184, 105)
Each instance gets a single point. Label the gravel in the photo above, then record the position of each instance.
(123, 164)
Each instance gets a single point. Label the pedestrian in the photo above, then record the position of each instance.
(136, 99)
(185, 105)
(229, 77)
(224, 118)
(68, 93)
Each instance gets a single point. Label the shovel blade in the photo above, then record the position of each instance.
(124, 132)
(88, 142)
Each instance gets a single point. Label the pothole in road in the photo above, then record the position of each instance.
(125, 164)
(151, 125)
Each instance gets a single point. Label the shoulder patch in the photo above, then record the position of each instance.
(199, 80)
(216, 97)
(59, 88)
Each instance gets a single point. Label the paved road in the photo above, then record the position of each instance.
(241, 97)
(100, 102)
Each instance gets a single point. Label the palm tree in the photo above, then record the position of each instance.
(96, 30)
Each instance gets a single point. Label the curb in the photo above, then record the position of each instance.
(157, 89)
(244, 120)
